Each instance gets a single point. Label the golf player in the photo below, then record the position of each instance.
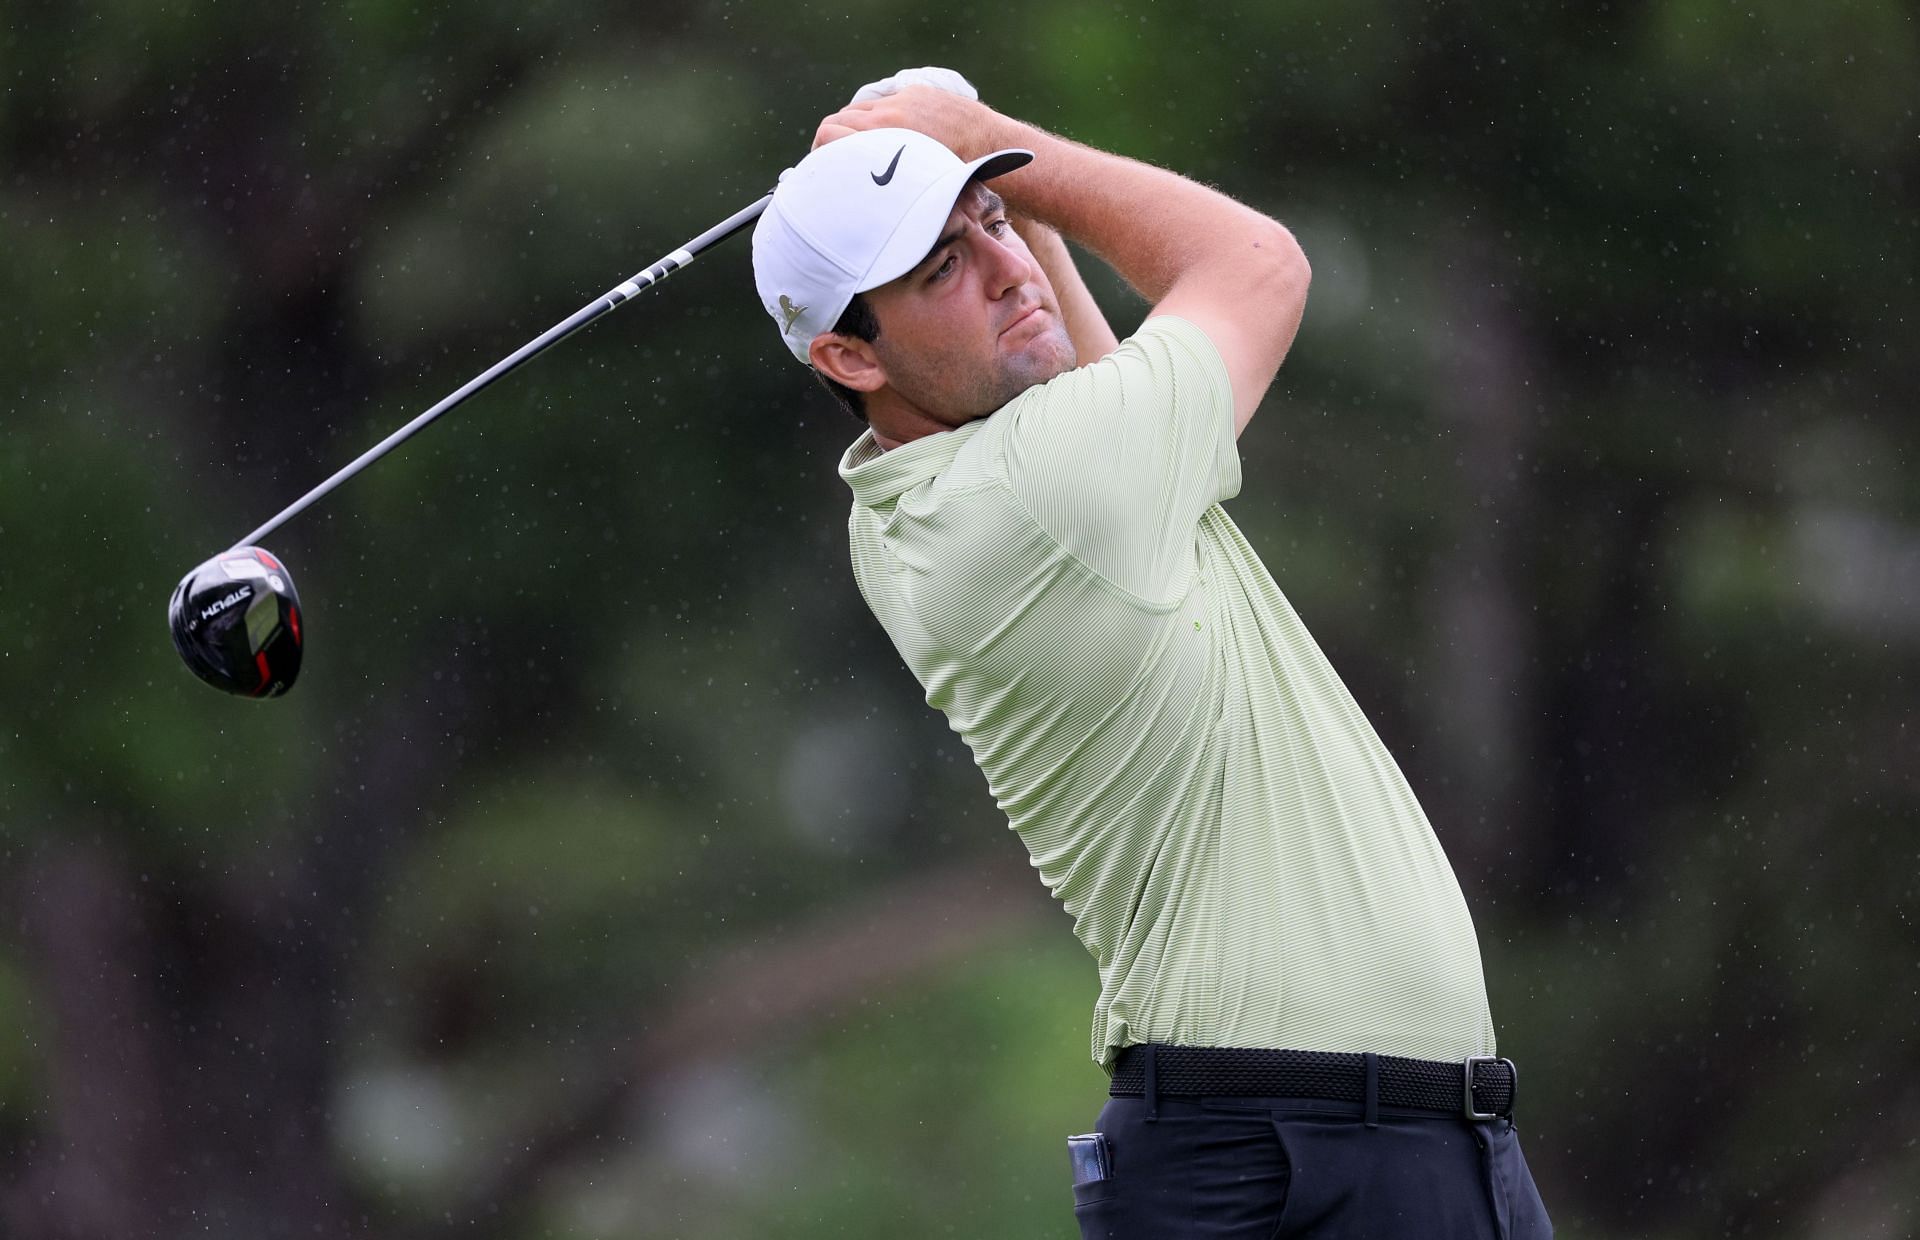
(1291, 1003)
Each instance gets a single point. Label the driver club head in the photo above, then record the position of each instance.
(236, 622)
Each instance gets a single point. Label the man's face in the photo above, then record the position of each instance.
(976, 323)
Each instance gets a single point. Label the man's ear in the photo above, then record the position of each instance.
(848, 361)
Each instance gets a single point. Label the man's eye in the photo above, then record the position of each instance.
(996, 227)
(945, 267)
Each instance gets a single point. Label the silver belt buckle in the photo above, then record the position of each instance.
(1466, 1104)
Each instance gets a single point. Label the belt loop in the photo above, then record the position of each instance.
(1373, 1089)
(1153, 1083)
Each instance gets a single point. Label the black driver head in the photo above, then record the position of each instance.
(236, 622)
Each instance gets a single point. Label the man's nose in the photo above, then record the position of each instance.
(1010, 267)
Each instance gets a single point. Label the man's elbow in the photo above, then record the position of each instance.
(1282, 270)
(1280, 275)
(1278, 298)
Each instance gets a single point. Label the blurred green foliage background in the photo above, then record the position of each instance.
(606, 876)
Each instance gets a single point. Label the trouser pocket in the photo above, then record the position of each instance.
(1517, 1208)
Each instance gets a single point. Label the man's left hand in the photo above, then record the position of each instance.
(926, 75)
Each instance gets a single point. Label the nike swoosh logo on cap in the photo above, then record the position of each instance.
(881, 178)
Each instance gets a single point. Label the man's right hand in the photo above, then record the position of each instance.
(967, 128)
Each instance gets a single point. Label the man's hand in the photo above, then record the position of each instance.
(926, 75)
(967, 128)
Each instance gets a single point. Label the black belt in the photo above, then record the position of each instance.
(1480, 1087)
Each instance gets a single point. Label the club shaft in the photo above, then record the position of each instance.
(586, 314)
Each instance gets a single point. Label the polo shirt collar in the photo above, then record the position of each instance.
(879, 477)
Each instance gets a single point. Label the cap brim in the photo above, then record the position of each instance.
(921, 226)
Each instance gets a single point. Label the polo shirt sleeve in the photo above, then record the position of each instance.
(1118, 460)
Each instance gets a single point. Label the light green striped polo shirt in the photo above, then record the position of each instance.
(1238, 850)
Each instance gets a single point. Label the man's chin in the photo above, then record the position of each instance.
(1045, 357)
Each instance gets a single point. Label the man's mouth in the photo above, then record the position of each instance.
(1022, 318)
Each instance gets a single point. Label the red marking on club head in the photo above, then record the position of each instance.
(268, 560)
(266, 677)
(293, 618)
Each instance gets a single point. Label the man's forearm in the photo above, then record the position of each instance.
(1192, 251)
(1151, 225)
(1093, 339)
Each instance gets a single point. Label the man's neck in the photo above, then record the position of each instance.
(896, 422)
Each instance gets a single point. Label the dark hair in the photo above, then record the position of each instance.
(858, 321)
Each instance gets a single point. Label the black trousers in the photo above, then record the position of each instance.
(1289, 1169)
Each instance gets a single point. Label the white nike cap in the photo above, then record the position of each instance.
(854, 214)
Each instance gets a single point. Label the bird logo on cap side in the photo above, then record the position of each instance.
(789, 312)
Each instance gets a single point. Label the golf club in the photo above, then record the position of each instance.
(235, 619)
